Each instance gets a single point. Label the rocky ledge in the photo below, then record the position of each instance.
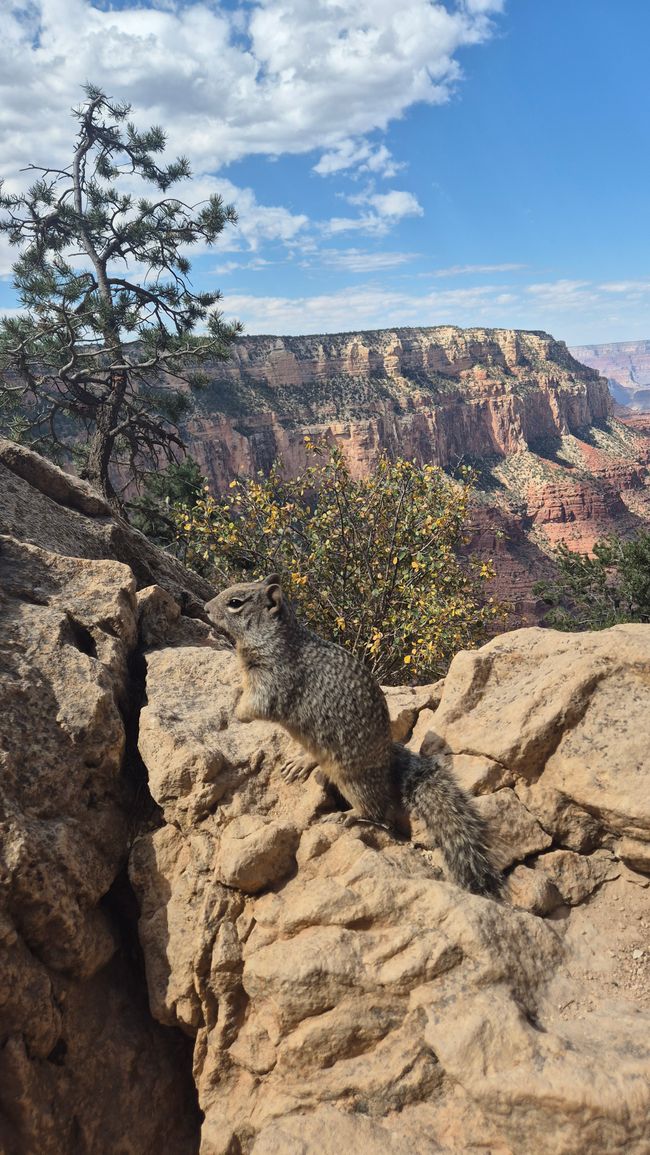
(195, 956)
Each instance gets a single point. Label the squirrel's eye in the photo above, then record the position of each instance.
(235, 603)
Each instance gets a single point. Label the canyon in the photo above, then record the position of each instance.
(553, 461)
(626, 365)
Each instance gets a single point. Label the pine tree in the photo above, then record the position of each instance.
(105, 342)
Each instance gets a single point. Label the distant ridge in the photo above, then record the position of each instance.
(626, 365)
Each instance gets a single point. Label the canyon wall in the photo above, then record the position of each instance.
(553, 462)
(626, 365)
(442, 395)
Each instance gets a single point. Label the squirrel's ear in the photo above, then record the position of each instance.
(274, 597)
(272, 580)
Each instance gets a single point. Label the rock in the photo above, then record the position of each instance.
(566, 1091)
(532, 890)
(157, 614)
(436, 394)
(330, 1132)
(575, 876)
(43, 505)
(570, 825)
(633, 853)
(574, 714)
(407, 703)
(52, 482)
(347, 948)
(76, 1034)
(306, 984)
(513, 830)
(475, 773)
(254, 855)
(422, 727)
(62, 746)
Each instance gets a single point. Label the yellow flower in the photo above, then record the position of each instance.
(407, 659)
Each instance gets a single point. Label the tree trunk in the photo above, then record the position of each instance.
(102, 442)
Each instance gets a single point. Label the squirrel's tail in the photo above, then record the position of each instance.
(450, 816)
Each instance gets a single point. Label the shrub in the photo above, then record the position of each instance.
(591, 593)
(372, 564)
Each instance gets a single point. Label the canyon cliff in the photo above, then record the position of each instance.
(626, 365)
(554, 463)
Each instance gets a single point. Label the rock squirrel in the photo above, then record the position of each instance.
(331, 704)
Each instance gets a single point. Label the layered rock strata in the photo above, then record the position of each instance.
(443, 394)
(626, 365)
(553, 462)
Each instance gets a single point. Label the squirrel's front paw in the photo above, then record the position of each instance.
(298, 769)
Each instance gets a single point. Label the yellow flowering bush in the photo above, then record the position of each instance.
(373, 564)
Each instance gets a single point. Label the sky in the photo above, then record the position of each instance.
(473, 162)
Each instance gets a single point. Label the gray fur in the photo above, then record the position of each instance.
(331, 704)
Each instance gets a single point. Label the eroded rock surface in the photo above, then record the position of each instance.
(73, 1019)
(83, 1065)
(318, 987)
(341, 993)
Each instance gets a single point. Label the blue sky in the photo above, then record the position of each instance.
(477, 162)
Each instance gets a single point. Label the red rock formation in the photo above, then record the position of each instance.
(626, 364)
(555, 463)
(439, 395)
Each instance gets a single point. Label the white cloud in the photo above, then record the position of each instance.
(472, 270)
(578, 312)
(275, 77)
(8, 255)
(363, 261)
(396, 203)
(361, 156)
(256, 223)
(382, 211)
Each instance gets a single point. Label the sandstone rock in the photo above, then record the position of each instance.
(47, 507)
(574, 876)
(157, 614)
(254, 855)
(331, 996)
(570, 825)
(634, 853)
(330, 1132)
(51, 481)
(532, 890)
(565, 1092)
(346, 995)
(76, 1035)
(434, 395)
(426, 720)
(514, 831)
(407, 703)
(575, 707)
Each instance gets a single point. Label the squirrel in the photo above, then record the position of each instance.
(330, 703)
